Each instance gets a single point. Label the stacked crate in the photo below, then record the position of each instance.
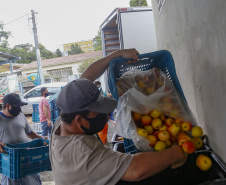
(55, 112)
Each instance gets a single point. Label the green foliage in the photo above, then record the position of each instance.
(75, 49)
(58, 53)
(134, 3)
(97, 42)
(82, 67)
(45, 53)
(25, 52)
(4, 35)
(26, 46)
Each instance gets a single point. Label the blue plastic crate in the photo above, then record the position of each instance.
(54, 116)
(35, 107)
(52, 104)
(35, 117)
(161, 59)
(25, 159)
(55, 113)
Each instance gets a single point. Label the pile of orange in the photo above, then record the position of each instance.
(162, 131)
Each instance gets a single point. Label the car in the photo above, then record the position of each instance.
(33, 95)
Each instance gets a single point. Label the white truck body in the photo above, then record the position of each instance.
(126, 28)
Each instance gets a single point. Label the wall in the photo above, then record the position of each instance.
(194, 31)
(73, 65)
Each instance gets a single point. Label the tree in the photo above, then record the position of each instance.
(45, 53)
(25, 52)
(4, 35)
(134, 3)
(75, 49)
(58, 53)
(82, 67)
(26, 46)
(97, 44)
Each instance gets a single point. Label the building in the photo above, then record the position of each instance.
(86, 46)
(59, 69)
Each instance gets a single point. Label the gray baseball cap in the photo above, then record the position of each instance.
(82, 94)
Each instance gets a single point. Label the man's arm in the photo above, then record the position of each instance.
(96, 69)
(147, 164)
(45, 111)
(34, 135)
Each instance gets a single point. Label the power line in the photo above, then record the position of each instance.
(15, 19)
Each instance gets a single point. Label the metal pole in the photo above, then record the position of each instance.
(38, 56)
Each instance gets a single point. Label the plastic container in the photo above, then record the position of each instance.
(25, 159)
(115, 139)
(161, 59)
(55, 113)
(37, 127)
(35, 107)
(188, 174)
(35, 117)
(119, 147)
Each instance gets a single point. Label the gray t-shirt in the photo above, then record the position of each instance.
(14, 130)
(82, 159)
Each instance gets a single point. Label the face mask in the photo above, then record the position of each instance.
(95, 124)
(15, 111)
(46, 94)
(99, 88)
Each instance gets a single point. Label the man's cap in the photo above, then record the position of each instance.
(82, 94)
(13, 99)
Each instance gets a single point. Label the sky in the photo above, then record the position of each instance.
(58, 21)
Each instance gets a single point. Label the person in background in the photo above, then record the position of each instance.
(14, 129)
(45, 113)
(77, 157)
(98, 85)
(109, 95)
(103, 133)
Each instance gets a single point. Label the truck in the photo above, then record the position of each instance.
(128, 27)
(131, 27)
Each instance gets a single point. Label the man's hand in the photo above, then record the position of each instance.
(129, 54)
(1, 148)
(46, 137)
(96, 69)
(109, 95)
(182, 157)
(49, 123)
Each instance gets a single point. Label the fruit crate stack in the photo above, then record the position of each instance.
(55, 112)
(25, 159)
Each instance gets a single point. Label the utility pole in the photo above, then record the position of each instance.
(38, 56)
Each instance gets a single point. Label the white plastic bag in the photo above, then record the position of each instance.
(142, 92)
